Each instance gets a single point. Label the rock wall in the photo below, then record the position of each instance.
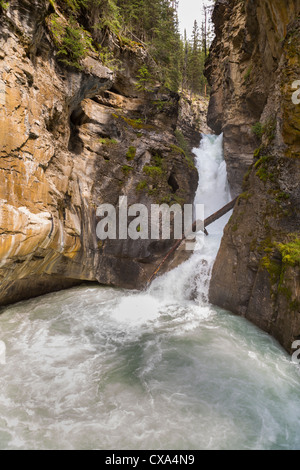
(254, 63)
(71, 140)
(242, 70)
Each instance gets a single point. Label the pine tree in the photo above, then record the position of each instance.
(155, 22)
(175, 62)
(194, 62)
(185, 61)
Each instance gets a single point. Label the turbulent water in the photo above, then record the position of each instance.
(102, 368)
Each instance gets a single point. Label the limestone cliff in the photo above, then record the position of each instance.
(252, 69)
(72, 139)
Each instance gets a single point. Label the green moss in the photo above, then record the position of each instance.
(266, 246)
(126, 169)
(273, 267)
(235, 220)
(129, 43)
(285, 291)
(248, 74)
(246, 177)
(172, 199)
(142, 185)
(160, 105)
(257, 152)
(181, 151)
(262, 169)
(108, 141)
(245, 196)
(263, 174)
(166, 199)
(281, 196)
(278, 256)
(290, 252)
(130, 155)
(268, 261)
(181, 140)
(4, 5)
(175, 199)
(152, 191)
(268, 129)
(135, 123)
(177, 149)
(183, 148)
(257, 129)
(262, 161)
(156, 178)
(158, 160)
(153, 171)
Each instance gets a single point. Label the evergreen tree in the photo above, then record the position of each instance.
(186, 49)
(195, 62)
(154, 23)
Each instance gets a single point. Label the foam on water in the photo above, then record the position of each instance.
(2, 352)
(103, 368)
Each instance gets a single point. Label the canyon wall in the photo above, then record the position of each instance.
(72, 139)
(253, 67)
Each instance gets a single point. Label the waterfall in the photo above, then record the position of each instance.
(191, 280)
(102, 368)
(185, 288)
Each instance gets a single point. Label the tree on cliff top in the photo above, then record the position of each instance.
(153, 23)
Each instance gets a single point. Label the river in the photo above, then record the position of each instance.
(102, 368)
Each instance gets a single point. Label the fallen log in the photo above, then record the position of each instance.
(208, 221)
(217, 215)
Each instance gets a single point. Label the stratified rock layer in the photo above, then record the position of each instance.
(242, 70)
(70, 141)
(253, 66)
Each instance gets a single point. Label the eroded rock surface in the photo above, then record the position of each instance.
(242, 69)
(254, 64)
(70, 141)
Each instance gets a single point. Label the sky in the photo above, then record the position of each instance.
(188, 12)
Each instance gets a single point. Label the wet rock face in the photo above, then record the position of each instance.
(193, 119)
(70, 141)
(257, 271)
(242, 69)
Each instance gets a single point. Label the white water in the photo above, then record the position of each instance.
(102, 368)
